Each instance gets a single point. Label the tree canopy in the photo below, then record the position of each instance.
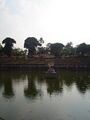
(68, 49)
(55, 48)
(31, 44)
(34, 46)
(83, 49)
(8, 45)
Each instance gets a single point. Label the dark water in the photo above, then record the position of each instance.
(30, 96)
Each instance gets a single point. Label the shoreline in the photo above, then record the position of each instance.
(42, 63)
(45, 66)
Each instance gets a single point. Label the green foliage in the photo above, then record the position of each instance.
(34, 46)
(1, 47)
(88, 49)
(56, 48)
(83, 49)
(19, 52)
(41, 41)
(42, 50)
(31, 44)
(68, 50)
(8, 45)
(1, 50)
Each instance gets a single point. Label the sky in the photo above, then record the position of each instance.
(54, 20)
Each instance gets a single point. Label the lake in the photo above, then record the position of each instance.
(29, 95)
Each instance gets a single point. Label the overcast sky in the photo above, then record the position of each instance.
(54, 20)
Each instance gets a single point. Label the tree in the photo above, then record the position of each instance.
(68, 49)
(1, 49)
(19, 52)
(81, 49)
(1, 46)
(88, 50)
(31, 90)
(8, 45)
(41, 41)
(42, 50)
(56, 48)
(31, 44)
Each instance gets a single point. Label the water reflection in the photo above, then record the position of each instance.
(31, 91)
(6, 81)
(80, 78)
(82, 81)
(54, 86)
(8, 88)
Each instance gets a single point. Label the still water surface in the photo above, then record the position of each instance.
(28, 95)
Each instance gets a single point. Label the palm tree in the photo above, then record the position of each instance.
(8, 45)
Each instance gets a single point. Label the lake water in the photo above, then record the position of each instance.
(28, 95)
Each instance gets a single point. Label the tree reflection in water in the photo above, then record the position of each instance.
(81, 80)
(31, 91)
(8, 91)
(54, 86)
(6, 82)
